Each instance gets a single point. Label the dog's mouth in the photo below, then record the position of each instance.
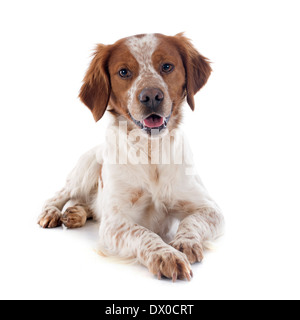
(153, 124)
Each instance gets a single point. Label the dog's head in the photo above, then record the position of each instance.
(146, 79)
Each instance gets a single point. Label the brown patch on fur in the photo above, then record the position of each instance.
(149, 210)
(192, 249)
(154, 174)
(171, 265)
(134, 232)
(101, 253)
(186, 206)
(102, 84)
(197, 67)
(147, 243)
(136, 195)
(95, 91)
(50, 218)
(121, 58)
(168, 52)
(75, 217)
(119, 234)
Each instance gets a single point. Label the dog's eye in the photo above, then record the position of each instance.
(167, 68)
(125, 73)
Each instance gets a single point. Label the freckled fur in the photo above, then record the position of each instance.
(138, 203)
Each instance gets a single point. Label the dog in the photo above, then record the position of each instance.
(141, 183)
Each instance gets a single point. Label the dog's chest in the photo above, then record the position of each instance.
(146, 193)
(159, 182)
(154, 196)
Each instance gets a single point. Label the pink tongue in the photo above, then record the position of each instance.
(154, 122)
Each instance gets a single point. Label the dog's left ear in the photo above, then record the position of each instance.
(95, 91)
(197, 68)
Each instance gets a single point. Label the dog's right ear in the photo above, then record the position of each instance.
(95, 91)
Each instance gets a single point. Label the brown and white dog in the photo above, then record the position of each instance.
(142, 180)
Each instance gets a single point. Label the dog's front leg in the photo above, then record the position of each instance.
(198, 224)
(122, 237)
(51, 214)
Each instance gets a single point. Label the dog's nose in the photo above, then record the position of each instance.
(151, 97)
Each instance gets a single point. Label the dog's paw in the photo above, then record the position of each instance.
(170, 264)
(191, 248)
(50, 218)
(74, 217)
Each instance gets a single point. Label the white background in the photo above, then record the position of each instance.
(244, 134)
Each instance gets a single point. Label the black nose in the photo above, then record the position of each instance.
(151, 97)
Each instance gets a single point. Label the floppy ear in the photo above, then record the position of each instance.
(95, 91)
(197, 68)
